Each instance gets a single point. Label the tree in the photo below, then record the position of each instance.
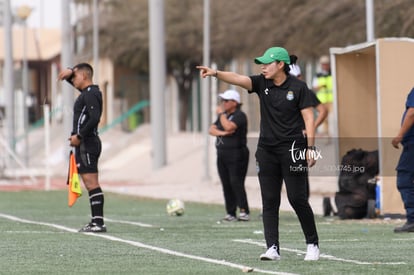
(242, 29)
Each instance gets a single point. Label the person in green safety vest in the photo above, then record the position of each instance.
(323, 86)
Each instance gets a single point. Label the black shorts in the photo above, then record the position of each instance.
(87, 155)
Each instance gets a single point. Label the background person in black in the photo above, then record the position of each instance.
(230, 128)
(282, 153)
(87, 112)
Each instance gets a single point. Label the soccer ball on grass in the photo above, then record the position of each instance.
(175, 207)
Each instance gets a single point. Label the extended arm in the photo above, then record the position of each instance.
(229, 77)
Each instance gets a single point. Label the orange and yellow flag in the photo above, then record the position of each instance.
(74, 190)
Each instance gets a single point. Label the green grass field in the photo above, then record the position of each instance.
(39, 236)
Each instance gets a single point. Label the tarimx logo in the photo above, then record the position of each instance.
(298, 154)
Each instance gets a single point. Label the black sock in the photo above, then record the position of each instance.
(96, 200)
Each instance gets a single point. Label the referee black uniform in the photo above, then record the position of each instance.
(87, 112)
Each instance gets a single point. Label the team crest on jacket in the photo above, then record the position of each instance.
(290, 95)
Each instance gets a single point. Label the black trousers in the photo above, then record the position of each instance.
(405, 180)
(274, 167)
(232, 168)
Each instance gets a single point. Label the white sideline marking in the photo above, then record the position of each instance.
(404, 239)
(129, 222)
(336, 240)
(142, 245)
(329, 257)
(30, 232)
(16, 219)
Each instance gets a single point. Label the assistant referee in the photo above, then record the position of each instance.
(84, 138)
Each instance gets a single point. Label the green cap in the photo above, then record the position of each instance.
(273, 54)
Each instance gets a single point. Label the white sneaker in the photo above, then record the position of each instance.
(271, 254)
(312, 252)
(229, 218)
(244, 217)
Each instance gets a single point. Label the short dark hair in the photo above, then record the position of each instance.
(85, 67)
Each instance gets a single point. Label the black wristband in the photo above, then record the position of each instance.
(311, 147)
